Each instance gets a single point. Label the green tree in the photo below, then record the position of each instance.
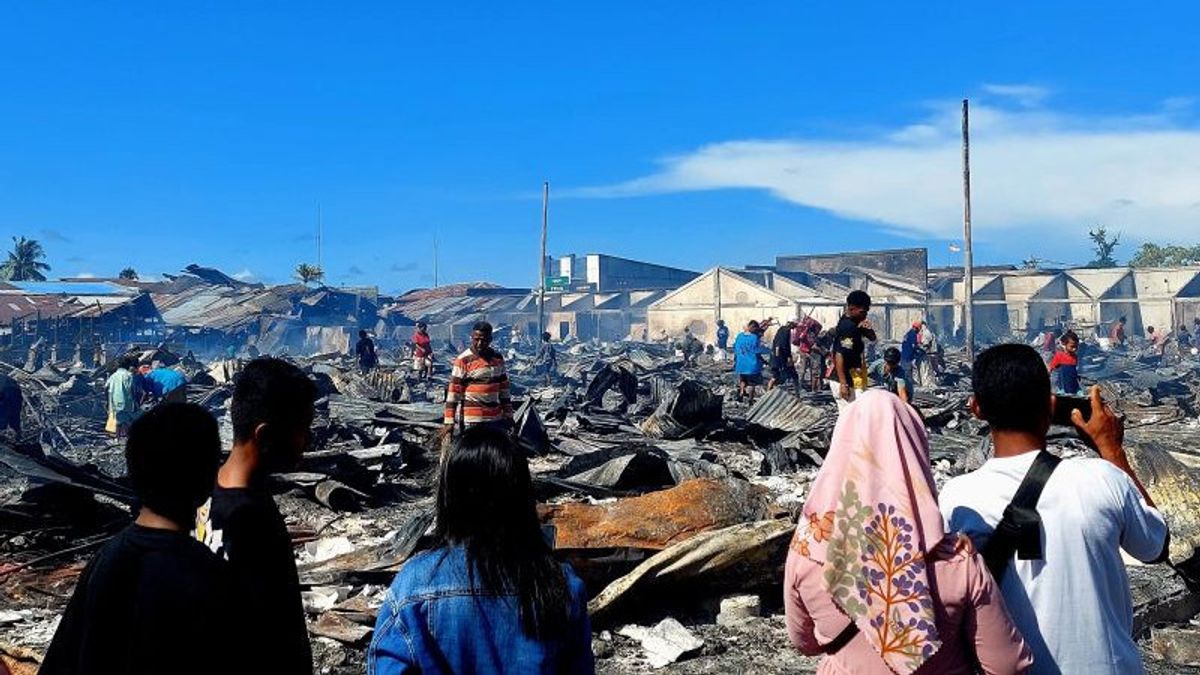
(128, 273)
(1153, 255)
(24, 262)
(1104, 246)
(309, 273)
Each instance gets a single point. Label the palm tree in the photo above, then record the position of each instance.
(129, 274)
(309, 273)
(24, 262)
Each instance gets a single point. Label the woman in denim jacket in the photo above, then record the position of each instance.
(490, 597)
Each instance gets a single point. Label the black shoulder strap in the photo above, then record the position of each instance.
(1020, 531)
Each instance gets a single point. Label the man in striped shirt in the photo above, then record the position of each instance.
(478, 384)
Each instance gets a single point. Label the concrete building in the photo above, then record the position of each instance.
(451, 311)
(911, 264)
(1159, 297)
(717, 294)
(1011, 304)
(601, 273)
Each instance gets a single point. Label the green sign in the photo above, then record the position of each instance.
(557, 283)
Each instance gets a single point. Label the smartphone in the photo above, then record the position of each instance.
(1065, 404)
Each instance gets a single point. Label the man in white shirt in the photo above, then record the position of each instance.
(1073, 606)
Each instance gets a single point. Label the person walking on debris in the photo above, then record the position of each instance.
(691, 348)
(11, 399)
(166, 384)
(422, 352)
(1184, 340)
(1158, 341)
(722, 338)
(848, 348)
(1067, 590)
(272, 414)
(873, 581)
(746, 362)
(890, 374)
(122, 403)
(908, 346)
(364, 349)
(546, 362)
(782, 368)
(152, 591)
(922, 368)
(490, 597)
(806, 338)
(1116, 336)
(1066, 363)
(479, 385)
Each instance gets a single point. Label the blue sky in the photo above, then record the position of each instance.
(692, 134)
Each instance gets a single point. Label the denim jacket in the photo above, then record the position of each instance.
(433, 621)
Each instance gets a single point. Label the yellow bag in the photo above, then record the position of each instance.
(859, 379)
(111, 425)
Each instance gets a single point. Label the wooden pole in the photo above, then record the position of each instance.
(542, 260)
(320, 262)
(968, 259)
(716, 297)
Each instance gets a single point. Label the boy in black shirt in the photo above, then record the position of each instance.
(272, 411)
(153, 597)
(849, 369)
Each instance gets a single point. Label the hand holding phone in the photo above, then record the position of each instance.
(1065, 407)
(1102, 427)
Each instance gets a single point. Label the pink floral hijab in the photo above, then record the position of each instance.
(870, 519)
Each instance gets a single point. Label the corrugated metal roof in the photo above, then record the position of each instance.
(780, 410)
(220, 307)
(91, 288)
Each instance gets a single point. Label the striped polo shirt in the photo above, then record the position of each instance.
(480, 385)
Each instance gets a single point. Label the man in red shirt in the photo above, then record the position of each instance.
(422, 352)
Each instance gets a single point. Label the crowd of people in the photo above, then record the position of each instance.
(134, 385)
(1014, 567)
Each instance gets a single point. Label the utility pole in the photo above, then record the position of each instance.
(542, 261)
(435, 261)
(968, 260)
(320, 265)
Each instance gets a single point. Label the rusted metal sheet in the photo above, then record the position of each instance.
(659, 519)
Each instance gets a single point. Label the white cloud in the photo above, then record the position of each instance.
(85, 275)
(1025, 94)
(245, 275)
(1032, 168)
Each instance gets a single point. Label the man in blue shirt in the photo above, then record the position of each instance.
(722, 335)
(166, 384)
(746, 350)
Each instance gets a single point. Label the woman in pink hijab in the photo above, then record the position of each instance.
(873, 581)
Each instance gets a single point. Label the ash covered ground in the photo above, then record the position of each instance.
(638, 459)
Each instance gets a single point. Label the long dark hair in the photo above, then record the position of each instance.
(485, 504)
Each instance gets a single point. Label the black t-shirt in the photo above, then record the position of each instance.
(781, 346)
(150, 601)
(245, 527)
(848, 341)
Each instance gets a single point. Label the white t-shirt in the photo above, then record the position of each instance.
(1073, 607)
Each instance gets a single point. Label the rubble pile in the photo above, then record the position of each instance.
(674, 501)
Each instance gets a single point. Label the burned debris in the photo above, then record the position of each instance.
(674, 501)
